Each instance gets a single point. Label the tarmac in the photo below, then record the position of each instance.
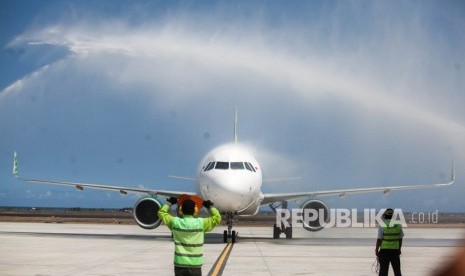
(96, 249)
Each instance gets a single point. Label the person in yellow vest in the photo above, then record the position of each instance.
(389, 244)
(188, 232)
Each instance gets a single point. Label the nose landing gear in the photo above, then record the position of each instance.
(229, 233)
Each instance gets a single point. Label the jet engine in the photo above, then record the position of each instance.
(146, 212)
(315, 213)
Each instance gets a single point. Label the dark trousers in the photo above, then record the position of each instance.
(187, 271)
(386, 257)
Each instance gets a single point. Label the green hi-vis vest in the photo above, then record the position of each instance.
(188, 238)
(391, 236)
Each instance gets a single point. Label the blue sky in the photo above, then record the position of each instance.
(342, 93)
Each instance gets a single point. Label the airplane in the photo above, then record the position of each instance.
(232, 178)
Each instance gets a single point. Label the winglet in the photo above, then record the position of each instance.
(452, 176)
(15, 165)
(235, 127)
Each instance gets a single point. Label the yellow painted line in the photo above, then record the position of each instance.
(218, 266)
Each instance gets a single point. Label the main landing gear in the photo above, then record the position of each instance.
(229, 233)
(279, 229)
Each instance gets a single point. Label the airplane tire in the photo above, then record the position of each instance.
(225, 236)
(233, 237)
(276, 232)
(288, 232)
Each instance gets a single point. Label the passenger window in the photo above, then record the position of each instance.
(222, 165)
(237, 165)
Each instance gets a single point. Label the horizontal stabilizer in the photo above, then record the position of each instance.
(190, 178)
(286, 179)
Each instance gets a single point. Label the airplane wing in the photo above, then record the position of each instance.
(81, 186)
(276, 197)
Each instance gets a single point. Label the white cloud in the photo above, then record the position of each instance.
(21, 83)
(29, 194)
(180, 56)
(46, 195)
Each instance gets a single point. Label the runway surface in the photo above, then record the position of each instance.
(78, 249)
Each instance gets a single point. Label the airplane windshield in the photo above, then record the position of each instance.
(222, 165)
(237, 165)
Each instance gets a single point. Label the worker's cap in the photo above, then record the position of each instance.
(388, 213)
(196, 199)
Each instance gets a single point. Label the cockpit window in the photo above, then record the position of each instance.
(237, 165)
(209, 166)
(249, 167)
(226, 166)
(222, 165)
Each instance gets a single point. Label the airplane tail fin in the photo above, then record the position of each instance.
(235, 126)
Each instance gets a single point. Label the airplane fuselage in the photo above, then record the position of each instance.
(231, 177)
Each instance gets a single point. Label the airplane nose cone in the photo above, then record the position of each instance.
(229, 194)
(236, 187)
